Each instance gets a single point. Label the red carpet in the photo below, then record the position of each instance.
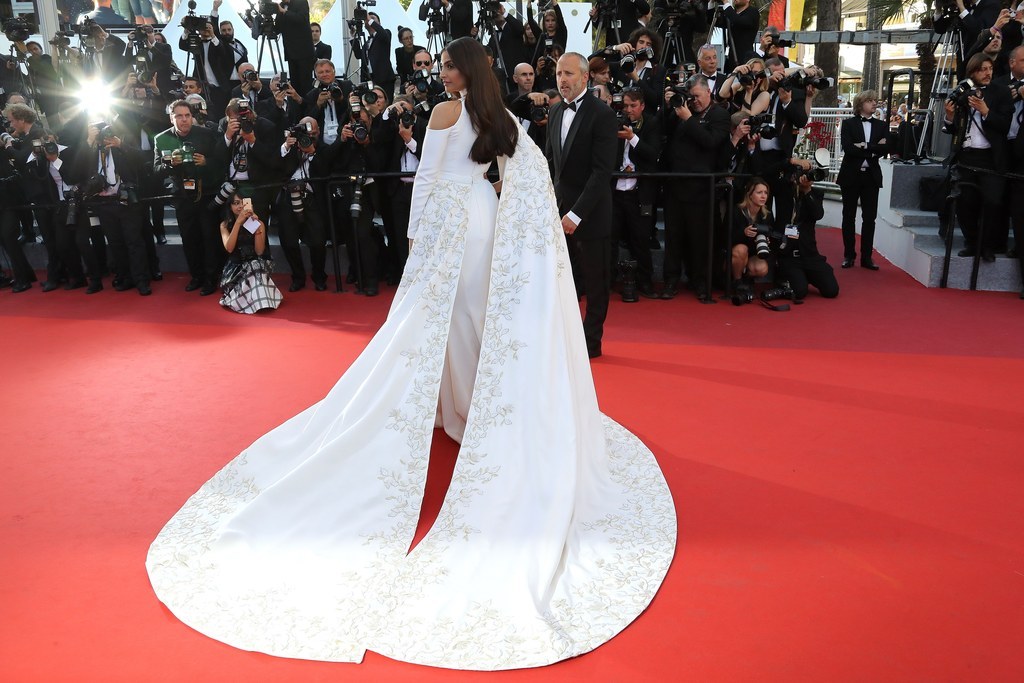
(848, 478)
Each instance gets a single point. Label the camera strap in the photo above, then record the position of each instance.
(774, 307)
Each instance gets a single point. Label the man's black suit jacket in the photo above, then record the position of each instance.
(644, 156)
(744, 27)
(581, 169)
(293, 26)
(264, 155)
(995, 126)
(851, 132)
(513, 50)
(115, 66)
(460, 18)
(378, 56)
(322, 51)
(695, 146)
(221, 60)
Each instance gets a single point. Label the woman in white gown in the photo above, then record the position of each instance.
(557, 528)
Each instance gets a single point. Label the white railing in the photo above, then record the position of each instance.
(822, 130)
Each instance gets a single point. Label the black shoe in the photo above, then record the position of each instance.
(5, 282)
(95, 286)
(320, 285)
(193, 284)
(157, 276)
(350, 279)
(701, 291)
(594, 351)
(208, 289)
(647, 292)
(49, 286)
(123, 285)
(868, 263)
(161, 239)
(19, 287)
(847, 263)
(370, 291)
(988, 256)
(967, 252)
(670, 290)
(144, 289)
(74, 284)
(297, 284)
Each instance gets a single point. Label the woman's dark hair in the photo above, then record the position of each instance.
(497, 132)
(226, 215)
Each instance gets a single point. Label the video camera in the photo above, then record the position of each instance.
(62, 39)
(360, 15)
(193, 23)
(19, 28)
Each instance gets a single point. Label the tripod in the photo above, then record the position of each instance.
(485, 32)
(607, 18)
(28, 85)
(673, 53)
(437, 33)
(271, 42)
(728, 46)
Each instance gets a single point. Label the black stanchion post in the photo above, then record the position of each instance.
(707, 298)
(335, 254)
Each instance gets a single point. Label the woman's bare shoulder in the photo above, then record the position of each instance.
(445, 115)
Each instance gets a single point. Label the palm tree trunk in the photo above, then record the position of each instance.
(827, 55)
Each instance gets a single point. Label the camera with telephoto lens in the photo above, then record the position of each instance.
(628, 61)
(681, 95)
(816, 174)
(366, 93)
(359, 129)
(750, 77)
(964, 89)
(19, 28)
(421, 80)
(800, 79)
(335, 89)
(303, 134)
(762, 125)
(227, 189)
(356, 206)
(407, 118)
(762, 243)
(245, 122)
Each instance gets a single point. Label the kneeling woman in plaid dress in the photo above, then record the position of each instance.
(246, 282)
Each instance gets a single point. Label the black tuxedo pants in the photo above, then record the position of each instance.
(395, 214)
(311, 228)
(589, 260)
(10, 227)
(980, 196)
(74, 241)
(859, 187)
(635, 229)
(47, 218)
(199, 226)
(804, 271)
(122, 226)
(689, 224)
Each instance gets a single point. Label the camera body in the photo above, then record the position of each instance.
(964, 89)
(628, 62)
(681, 95)
(762, 125)
(800, 79)
(303, 134)
(18, 29)
(749, 78)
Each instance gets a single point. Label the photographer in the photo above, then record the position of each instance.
(404, 55)
(250, 145)
(531, 108)
(293, 25)
(368, 141)
(156, 59)
(375, 56)
(638, 67)
(404, 155)
(552, 29)
(544, 73)
(740, 20)
(633, 198)
(507, 41)
(327, 103)
(771, 45)
(110, 170)
(16, 151)
(285, 108)
(978, 117)
(746, 88)
(302, 203)
(247, 285)
(697, 129)
(239, 53)
(49, 93)
(423, 87)
(752, 224)
(864, 142)
(800, 264)
(625, 13)
(106, 61)
(188, 153)
(213, 62)
(251, 87)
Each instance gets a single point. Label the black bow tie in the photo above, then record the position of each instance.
(572, 105)
(865, 118)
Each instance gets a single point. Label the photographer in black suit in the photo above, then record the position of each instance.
(740, 19)
(626, 13)
(293, 25)
(979, 119)
(252, 88)
(508, 42)
(581, 154)
(213, 63)
(407, 133)
(697, 131)
(328, 102)
(645, 72)
(864, 142)
(633, 198)
(799, 261)
(250, 144)
(375, 56)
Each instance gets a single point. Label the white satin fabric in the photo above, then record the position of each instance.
(558, 526)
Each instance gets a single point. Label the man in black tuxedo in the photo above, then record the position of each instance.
(863, 139)
(286, 106)
(741, 20)
(239, 53)
(212, 64)
(460, 17)
(507, 44)
(404, 156)
(633, 198)
(768, 46)
(707, 66)
(697, 129)
(321, 50)
(1015, 138)
(110, 168)
(375, 56)
(293, 25)
(250, 144)
(107, 62)
(581, 147)
(980, 122)
(253, 88)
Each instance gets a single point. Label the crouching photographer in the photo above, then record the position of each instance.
(752, 227)
(800, 264)
(302, 203)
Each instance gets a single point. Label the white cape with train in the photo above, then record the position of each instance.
(556, 531)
